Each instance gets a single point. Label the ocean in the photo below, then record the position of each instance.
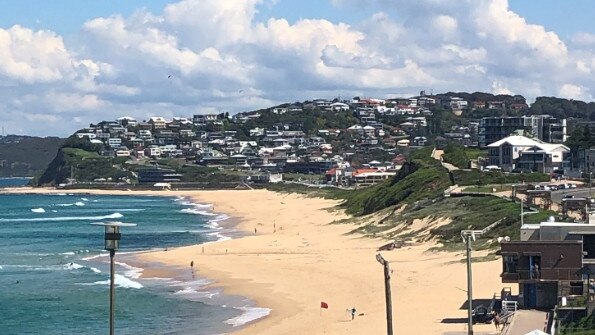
(14, 182)
(54, 274)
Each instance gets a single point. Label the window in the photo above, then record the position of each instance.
(576, 288)
(511, 263)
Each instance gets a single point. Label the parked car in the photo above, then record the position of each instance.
(492, 168)
(520, 170)
(568, 196)
(553, 187)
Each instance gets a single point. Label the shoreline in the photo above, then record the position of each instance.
(301, 259)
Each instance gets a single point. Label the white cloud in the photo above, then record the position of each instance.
(214, 55)
(582, 38)
(576, 92)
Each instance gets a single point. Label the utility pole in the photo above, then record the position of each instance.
(590, 183)
(389, 308)
(467, 235)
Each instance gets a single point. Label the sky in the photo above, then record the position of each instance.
(66, 64)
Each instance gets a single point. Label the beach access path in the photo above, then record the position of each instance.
(299, 257)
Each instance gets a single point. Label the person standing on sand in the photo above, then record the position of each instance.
(192, 265)
(353, 311)
(496, 320)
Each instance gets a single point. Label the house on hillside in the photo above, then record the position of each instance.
(520, 152)
(339, 106)
(157, 122)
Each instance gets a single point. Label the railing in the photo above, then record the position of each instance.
(547, 274)
(509, 306)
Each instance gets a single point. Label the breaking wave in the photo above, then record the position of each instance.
(67, 218)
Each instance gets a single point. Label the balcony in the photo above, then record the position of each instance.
(541, 275)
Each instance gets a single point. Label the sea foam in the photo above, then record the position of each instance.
(78, 203)
(67, 218)
(250, 314)
(73, 266)
(120, 281)
(131, 271)
(197, 211)
(37, 210)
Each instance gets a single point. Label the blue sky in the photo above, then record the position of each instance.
(65, 64)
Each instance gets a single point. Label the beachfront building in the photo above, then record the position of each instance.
(520, 152)
(543, 127)
(158, 175)
(549, 261)
(368, 177)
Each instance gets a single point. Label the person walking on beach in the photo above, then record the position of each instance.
(496, 320)
(353, 311)
(192, 265)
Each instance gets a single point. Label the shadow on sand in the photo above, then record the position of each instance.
(454, 320)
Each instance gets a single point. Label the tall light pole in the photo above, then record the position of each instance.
(389, 308)
(112, 243)
(467, 235)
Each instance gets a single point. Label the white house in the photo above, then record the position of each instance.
(339, 106)
(280, 110)
(114, 142)
(520, 152)
(88, 135)
(158, 122)
(153, 152)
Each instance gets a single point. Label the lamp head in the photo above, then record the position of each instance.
(112, 233)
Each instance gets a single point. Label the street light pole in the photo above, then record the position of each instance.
(467, 235)
(387, 293)
(112, 243)
(112, 293)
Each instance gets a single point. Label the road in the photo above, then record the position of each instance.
(577, 192)
(525, 321)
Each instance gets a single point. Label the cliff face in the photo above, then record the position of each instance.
(56, 172)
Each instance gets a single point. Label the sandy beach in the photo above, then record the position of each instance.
(294, 256)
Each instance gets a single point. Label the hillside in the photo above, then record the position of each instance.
(24, 156)
(420, 178)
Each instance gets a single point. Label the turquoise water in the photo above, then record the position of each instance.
(54, 274)
(14, 182)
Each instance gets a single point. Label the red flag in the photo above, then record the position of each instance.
(323, 305)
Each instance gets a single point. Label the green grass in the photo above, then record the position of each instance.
(80, 154)
(455, 154)
(584, 326)
(476, 177)
(474, 153)
(415, 181)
